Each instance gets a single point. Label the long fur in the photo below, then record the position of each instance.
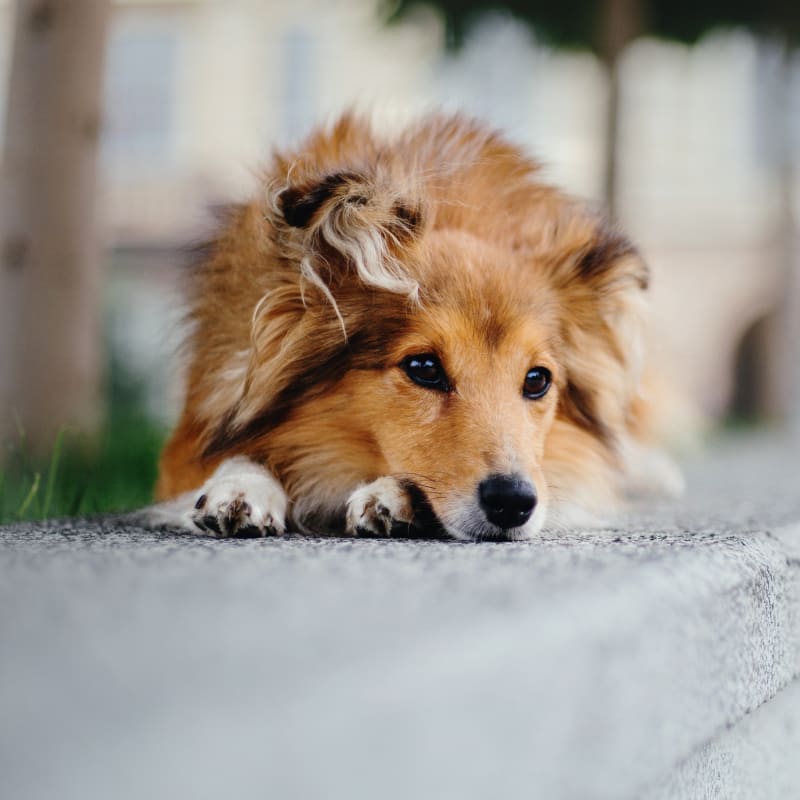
(361, 250)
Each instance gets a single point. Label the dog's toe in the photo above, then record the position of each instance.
(236, 518)
(378, 508)
(243, 503)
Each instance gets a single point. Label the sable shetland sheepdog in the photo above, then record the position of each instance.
(405, 333)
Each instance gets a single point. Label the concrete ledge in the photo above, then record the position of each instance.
(755, 759)
(651, 660)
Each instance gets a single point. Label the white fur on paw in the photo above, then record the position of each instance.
(374, 508)
(240, 499)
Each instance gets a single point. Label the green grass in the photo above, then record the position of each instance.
(112, 471)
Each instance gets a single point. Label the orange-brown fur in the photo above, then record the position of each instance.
(361, 250)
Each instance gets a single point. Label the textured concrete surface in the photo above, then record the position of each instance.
(604, 664)
(755, 759)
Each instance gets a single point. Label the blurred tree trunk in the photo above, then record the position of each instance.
(50, 253)
(621, 22)
(778, 367)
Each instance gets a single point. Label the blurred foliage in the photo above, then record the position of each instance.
(568, 23)
(112, 471)
(688, 20)
(579, 23)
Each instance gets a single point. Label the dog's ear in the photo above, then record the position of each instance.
(364, 222)
(299, 204)
(611, 261)
(603, 286)
(338, 233)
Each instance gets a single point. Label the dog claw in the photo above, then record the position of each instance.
(237, 520)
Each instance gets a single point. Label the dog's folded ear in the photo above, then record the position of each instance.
(611, 261)
(365, 221)
(602, 282)
(299, 204)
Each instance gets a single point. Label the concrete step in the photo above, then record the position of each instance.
(657, 659)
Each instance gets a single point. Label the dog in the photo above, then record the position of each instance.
(412, 335)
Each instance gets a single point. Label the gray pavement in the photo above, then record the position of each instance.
(655, 659)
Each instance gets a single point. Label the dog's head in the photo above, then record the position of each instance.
(484, 349)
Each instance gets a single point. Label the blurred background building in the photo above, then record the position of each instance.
(197, 92)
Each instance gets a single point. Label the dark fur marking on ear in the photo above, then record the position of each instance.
(299, 205)
(610, 247)
(578, 406)
(410, 217)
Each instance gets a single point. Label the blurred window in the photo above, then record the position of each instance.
(140, 97)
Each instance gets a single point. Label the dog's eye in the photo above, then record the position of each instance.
(537, 382)
(427, 371)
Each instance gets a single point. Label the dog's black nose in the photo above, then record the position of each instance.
(507, 500)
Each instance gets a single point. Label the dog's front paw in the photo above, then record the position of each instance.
(241, 499)
(374, 509)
